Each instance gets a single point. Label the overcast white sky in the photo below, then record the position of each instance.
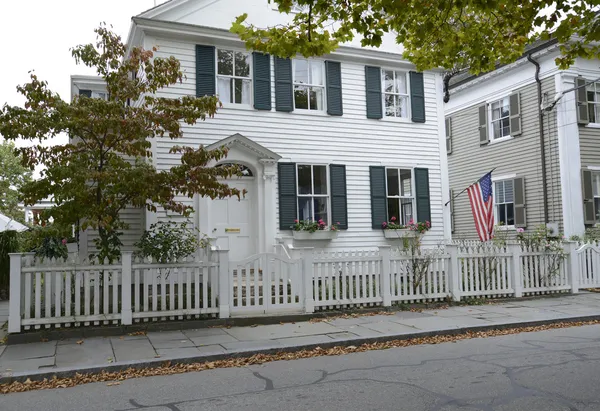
(37, 34)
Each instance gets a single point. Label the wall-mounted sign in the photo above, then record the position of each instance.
(232, 230)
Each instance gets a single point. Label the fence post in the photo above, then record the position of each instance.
(454, 272)
(224, 284)
(386, 289)
(14, 307)
(573, 267)
(126, 314)
(307, 279)
(517, 272)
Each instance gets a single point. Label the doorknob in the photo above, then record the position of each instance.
(214, 229)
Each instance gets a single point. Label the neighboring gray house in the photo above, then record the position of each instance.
(547, 167)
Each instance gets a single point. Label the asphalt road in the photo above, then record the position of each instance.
(550, 370)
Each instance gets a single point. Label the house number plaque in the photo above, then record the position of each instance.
(232, 230)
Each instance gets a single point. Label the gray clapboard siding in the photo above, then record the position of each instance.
(470, 160)
(589, 146)
(350, 139)
(135, 219)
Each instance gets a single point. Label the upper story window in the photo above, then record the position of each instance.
(499, 115)
(400, 197)
(504, 203)
(593, 98)
(395, 93)
(313, 193)
(309, 84)
(234, 84)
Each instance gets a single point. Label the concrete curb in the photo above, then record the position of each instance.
(7, 378)
(55, 334)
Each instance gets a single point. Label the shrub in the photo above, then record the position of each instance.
(169, 241)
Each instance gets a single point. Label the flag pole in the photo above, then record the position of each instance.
(448, 202)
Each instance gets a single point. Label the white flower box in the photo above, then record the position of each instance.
(400, 233)
(317, 235)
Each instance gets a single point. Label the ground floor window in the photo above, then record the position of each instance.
(313, 193)
(400, 199)
(504, 203)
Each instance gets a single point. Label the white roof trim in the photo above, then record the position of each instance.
(260, 151)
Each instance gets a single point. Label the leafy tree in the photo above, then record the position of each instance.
(434, 33)
(13, 175)
(105, 166)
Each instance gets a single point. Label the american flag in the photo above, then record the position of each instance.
(482, 205)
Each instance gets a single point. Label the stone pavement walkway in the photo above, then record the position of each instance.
(3, 320)
(102, 352)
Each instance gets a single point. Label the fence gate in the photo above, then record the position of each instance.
(589, 266)
(265, 283)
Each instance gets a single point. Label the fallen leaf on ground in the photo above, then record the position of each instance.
(80, 342)
(110, 384)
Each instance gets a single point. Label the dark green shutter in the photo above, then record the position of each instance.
(417, 97)
(515, 114)
(288, 204)
(587, 189)
(284, 93)
(334, 88)
(583, 115)
(373, 87)
(422, 194)
(378, 197)
(339, 200)
(87, 93)
(262, 81)
(205, 71)
(519, 202)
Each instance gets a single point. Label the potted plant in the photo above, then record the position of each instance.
(314, 230)
(393, 229)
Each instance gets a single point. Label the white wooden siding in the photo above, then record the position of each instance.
(351, 139)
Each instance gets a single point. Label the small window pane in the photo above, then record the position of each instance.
(301, 97)
(392, 183)
(301, 71)
(406, 182)
(596, 184)
(388, 81)
(592, 112)
(316, 73)
(321, 209)
(499, 192)
(508, 191)
(505, 111)
(304, 179)
(591, 94)
(401, 106)
(597, 203)
(407, 210)
(224, 89)
(316, 98)
(401, 83)
(502, 214)
(320, 179)
(394, 209)
(510, 214)
(304, 208)
(225, 62)
(242, 64)
(390, 108)
(242, 91)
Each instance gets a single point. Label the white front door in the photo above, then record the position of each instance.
(233, 221)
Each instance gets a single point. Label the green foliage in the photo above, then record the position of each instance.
(434, 33)
(312, 226)
(105, 167)
(52, 248)
(169, 241)
(13, 176)
(9, 243)
(34, 238)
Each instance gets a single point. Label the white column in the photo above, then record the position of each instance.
(126, 313)
(454, 272)
(569, 156)
(269, 173)
(224, 284)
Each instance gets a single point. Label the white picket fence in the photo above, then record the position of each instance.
(71, 293)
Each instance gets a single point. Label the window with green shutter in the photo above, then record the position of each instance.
(284, 96)
(262, 81)
(205, 71)
(373, 90)
(334, 88)
(417, 97)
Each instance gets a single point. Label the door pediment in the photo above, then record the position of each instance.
(244, 144)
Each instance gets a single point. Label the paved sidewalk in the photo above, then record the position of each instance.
(93, 354)
(3, 321)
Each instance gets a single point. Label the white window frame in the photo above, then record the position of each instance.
(103, 95)
(597, 195)
(595, 104)
(400, 196)
(494, 197)
(384, 93)
(312, 204)
(491, 121)
(250, 76)
(310, 85)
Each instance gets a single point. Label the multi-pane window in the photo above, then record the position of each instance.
(504, 202)
(233, 77)
(309, 84)
(596, 191)
(313, 193)
(100, 94)
(395, 93)
(593, 98)
(400, 198)
(499, 118)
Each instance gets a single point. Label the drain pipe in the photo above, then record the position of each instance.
(542, 143)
